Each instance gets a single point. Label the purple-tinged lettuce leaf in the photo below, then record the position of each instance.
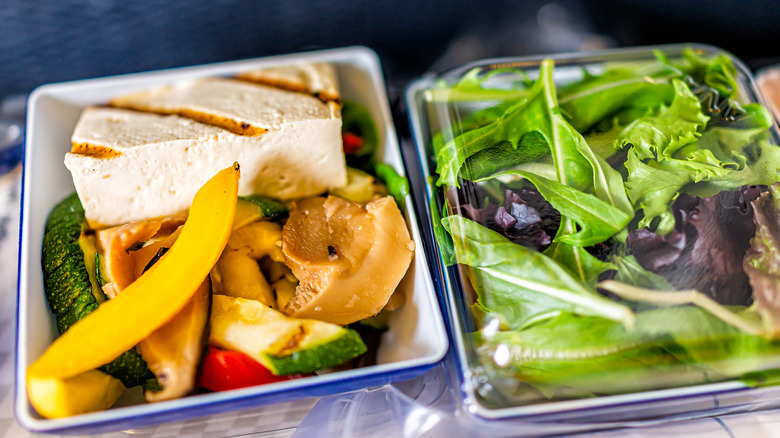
(762, 263)
(525, 218)
(706, 247)
(598, 220)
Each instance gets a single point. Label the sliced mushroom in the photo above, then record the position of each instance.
(348, 258)
(116, 243)
(173, 351)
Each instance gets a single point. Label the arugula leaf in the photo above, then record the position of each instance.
(531, 274)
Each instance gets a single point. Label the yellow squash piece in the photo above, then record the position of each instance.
(237, 273)
(149, 302)
(87, 392)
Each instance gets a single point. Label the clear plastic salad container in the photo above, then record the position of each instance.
(605, 226)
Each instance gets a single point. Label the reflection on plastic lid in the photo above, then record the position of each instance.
(769, 83)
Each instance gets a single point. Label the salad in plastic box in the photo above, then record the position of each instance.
(610, 222)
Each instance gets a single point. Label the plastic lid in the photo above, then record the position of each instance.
(611, 222)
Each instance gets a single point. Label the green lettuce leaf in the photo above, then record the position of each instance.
(674, 151)
(717, 72)
(597, 219)
(619, 88)
(504, 155)
(443, 239)
(474, 120)
(524, 274)
(659, 137)
(475, 86)
(518, 120)
(581, 264)
(653, 186)
(588, 355)
(629, 271)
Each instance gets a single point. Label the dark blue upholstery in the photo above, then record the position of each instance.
(55, 40)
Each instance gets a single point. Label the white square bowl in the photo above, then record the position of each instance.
(417, 337)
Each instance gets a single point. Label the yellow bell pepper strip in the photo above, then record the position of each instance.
(87, 392)
(155, 297)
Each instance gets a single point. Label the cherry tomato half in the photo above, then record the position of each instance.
(352, 142)
(224, 370)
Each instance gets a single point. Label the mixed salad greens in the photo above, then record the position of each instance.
(619, 230)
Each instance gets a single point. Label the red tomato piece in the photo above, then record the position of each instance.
(352, 143)
(224, 370)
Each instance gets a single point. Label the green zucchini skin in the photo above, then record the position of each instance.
(306, 359)
(267, 207)
(68, 287)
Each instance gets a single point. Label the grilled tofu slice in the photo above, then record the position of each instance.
(129, 165)
(318, 79)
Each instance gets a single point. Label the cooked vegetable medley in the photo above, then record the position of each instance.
(238, 288)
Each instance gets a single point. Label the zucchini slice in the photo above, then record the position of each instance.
(282, 344)
(252, 208)
(72, 290)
